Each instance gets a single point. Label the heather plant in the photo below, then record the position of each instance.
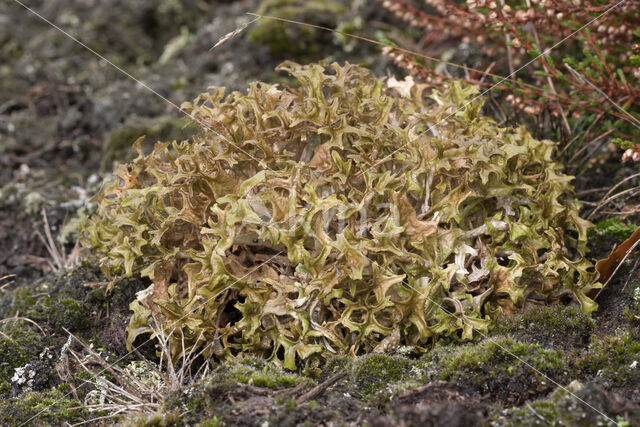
(580, 85)
(345, 214)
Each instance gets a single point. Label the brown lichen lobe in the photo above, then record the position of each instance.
(321, 219)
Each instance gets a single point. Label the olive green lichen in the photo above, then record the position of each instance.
(347, 215)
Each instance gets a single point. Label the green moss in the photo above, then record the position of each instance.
(632, 311)
(18, 300)
(336, 364)
(62, 313)
(19, 345)
(500, 356)
(557, 326)
(51, 407)
(62, 301)
(376, 373)
(538, 413)
(257, 372)
(213, 422)
(203, 400)
(613, 227)
(153, 420)
(511, 371)
(545, 409)
(285, 40)
(565, 406)
(613, 360)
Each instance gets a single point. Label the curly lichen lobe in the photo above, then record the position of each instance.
(348, 215)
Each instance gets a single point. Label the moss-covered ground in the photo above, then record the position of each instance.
(547, 364)
(64, 120)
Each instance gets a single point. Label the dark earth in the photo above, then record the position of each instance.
(67, 117)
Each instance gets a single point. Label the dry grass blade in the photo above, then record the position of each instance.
(130, 386)
(584, 147)
(184, 373)
(115, 411)
(606, 198)
(124, 392)
(565, 122)
(630, 192)
(540, 417)
(7, 337)
(20, 318)
(584, 135)
(233, 33)
(633, 269)
(9, 283)
(58, 257)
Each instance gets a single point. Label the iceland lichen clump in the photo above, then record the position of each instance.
(347, 215)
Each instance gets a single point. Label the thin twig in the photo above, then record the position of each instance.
(390, 46)
(56, 253)
(635, 265)
(550, 83)
(9, 283)
(584, 134)
(320, 388)
(591, 190)
(632, 120)
(593, 141)
(540, 417)
(604, 202)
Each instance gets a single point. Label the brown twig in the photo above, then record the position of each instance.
(9, 283)
(320, 388)
(629, 117)
(635, 265)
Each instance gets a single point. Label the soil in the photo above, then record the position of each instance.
(67, 117)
